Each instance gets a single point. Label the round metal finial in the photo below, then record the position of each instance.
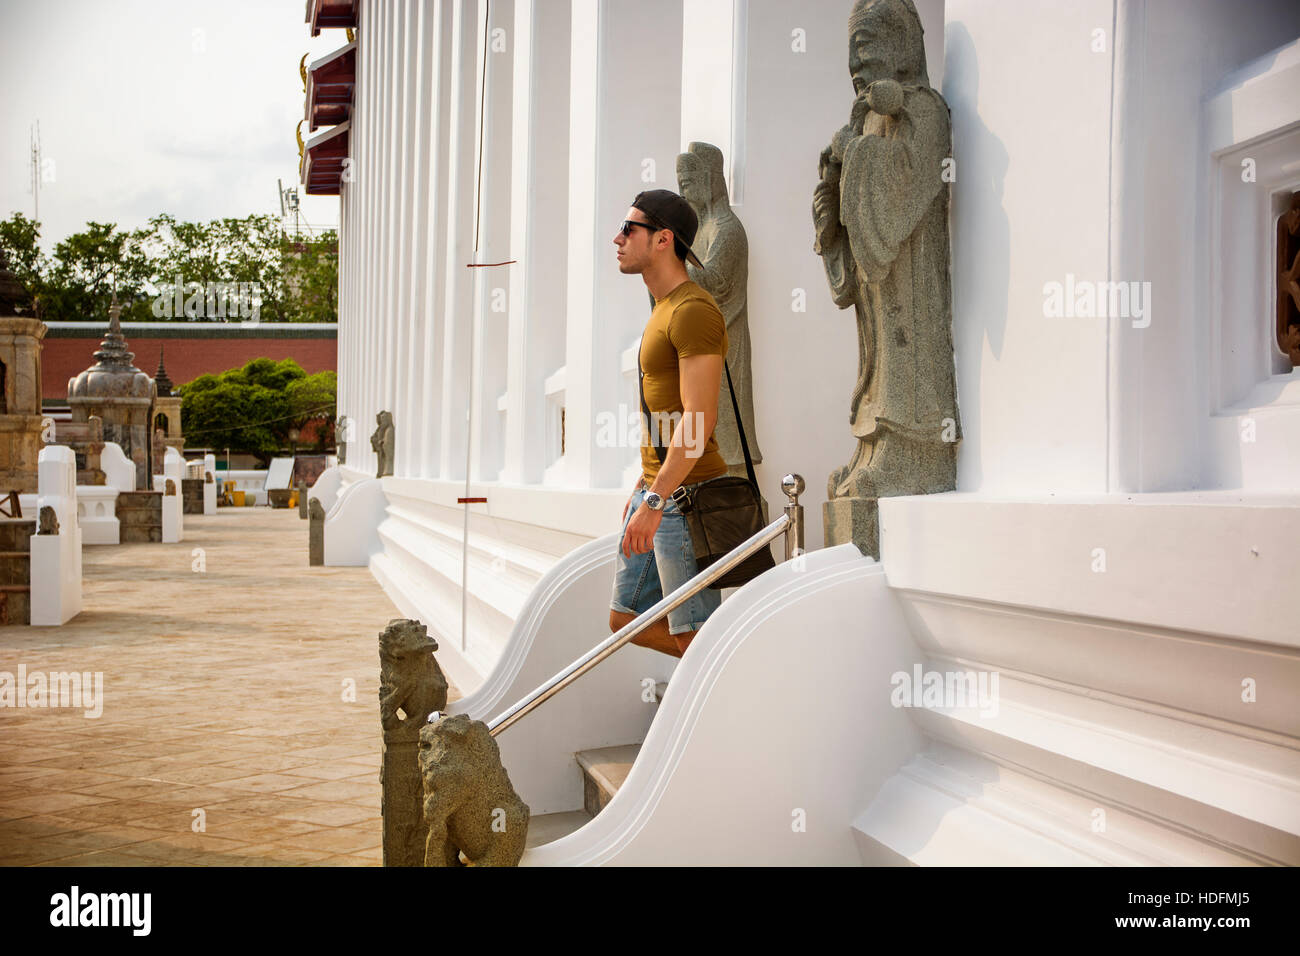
(793, 486)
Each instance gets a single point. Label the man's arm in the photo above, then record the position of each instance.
(701, 378)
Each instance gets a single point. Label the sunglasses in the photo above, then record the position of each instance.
(626, 228)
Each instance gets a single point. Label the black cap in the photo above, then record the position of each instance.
(666, 209)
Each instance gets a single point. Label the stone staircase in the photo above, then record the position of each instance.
(604, 770)
(15, 570)
(139, 513)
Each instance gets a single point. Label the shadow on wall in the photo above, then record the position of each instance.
(981, 244)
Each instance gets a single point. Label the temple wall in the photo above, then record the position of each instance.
(1081, 155)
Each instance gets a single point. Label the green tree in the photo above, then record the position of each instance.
(251, 409)
(20, 246)
(297, 280)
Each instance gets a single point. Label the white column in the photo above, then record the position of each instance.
(539, 221)
(458, 295)
(435, 261)
(714, 81)
(492, 285)
(410, 463)
(364, 409)
(392, 119)
(404, 282)
(623, 138)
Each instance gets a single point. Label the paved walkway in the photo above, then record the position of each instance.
(240, 718)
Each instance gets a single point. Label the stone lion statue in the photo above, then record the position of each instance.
(409, 678)
(47, 521)
(470, 807)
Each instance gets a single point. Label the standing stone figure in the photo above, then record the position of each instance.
(315, 533)
(341, 431)
(722, 246)
(411, 687)
(382, 441)
(881, 218)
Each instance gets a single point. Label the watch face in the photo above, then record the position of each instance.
(655, 501)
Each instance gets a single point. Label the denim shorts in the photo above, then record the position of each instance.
(643, 579)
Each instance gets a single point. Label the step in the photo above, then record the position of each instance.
(549, 827)
(603, 772)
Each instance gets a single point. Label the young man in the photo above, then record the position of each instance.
(682, 352)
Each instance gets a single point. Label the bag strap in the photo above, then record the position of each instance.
(660, 451)
(740, 427)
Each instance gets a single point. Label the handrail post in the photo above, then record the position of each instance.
(793, 486)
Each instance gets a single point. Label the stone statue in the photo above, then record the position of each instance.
(881, 218)
(48, 521)
(315, 533)
(722, 246)
(411, 687)
(382, 441)
(410, 680)
(470, 807)
(169, 488)
(341, 439)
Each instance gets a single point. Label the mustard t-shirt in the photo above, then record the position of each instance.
(684, 322)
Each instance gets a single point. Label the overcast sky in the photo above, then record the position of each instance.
(149, 106)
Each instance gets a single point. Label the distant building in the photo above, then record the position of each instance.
(193, 348)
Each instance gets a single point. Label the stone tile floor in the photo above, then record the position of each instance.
(240, 719)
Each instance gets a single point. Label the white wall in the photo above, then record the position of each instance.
(1031, 117)
(1178, 54)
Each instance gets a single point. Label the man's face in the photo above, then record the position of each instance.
(634, 249)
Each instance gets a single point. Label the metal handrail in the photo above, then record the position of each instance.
(789, 524)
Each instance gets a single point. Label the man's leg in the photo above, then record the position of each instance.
(655, 637)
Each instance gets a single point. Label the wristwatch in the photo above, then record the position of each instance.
(654, 501)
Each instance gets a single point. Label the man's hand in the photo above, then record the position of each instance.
(640, 535)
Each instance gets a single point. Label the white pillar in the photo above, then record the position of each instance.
(403, 317)
(624, 134)
(435, 261)
(458, 296)
(412, 436)
(539, 221)
(492, 284)
(393, 123)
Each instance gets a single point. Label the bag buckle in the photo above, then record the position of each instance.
(683, 498)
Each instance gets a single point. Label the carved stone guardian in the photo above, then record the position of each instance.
(721, 244)
(341, 431)
(316, 533)
(411, 687)
(383, 441)
(470, 807)
(48, 522)
(881, 220)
